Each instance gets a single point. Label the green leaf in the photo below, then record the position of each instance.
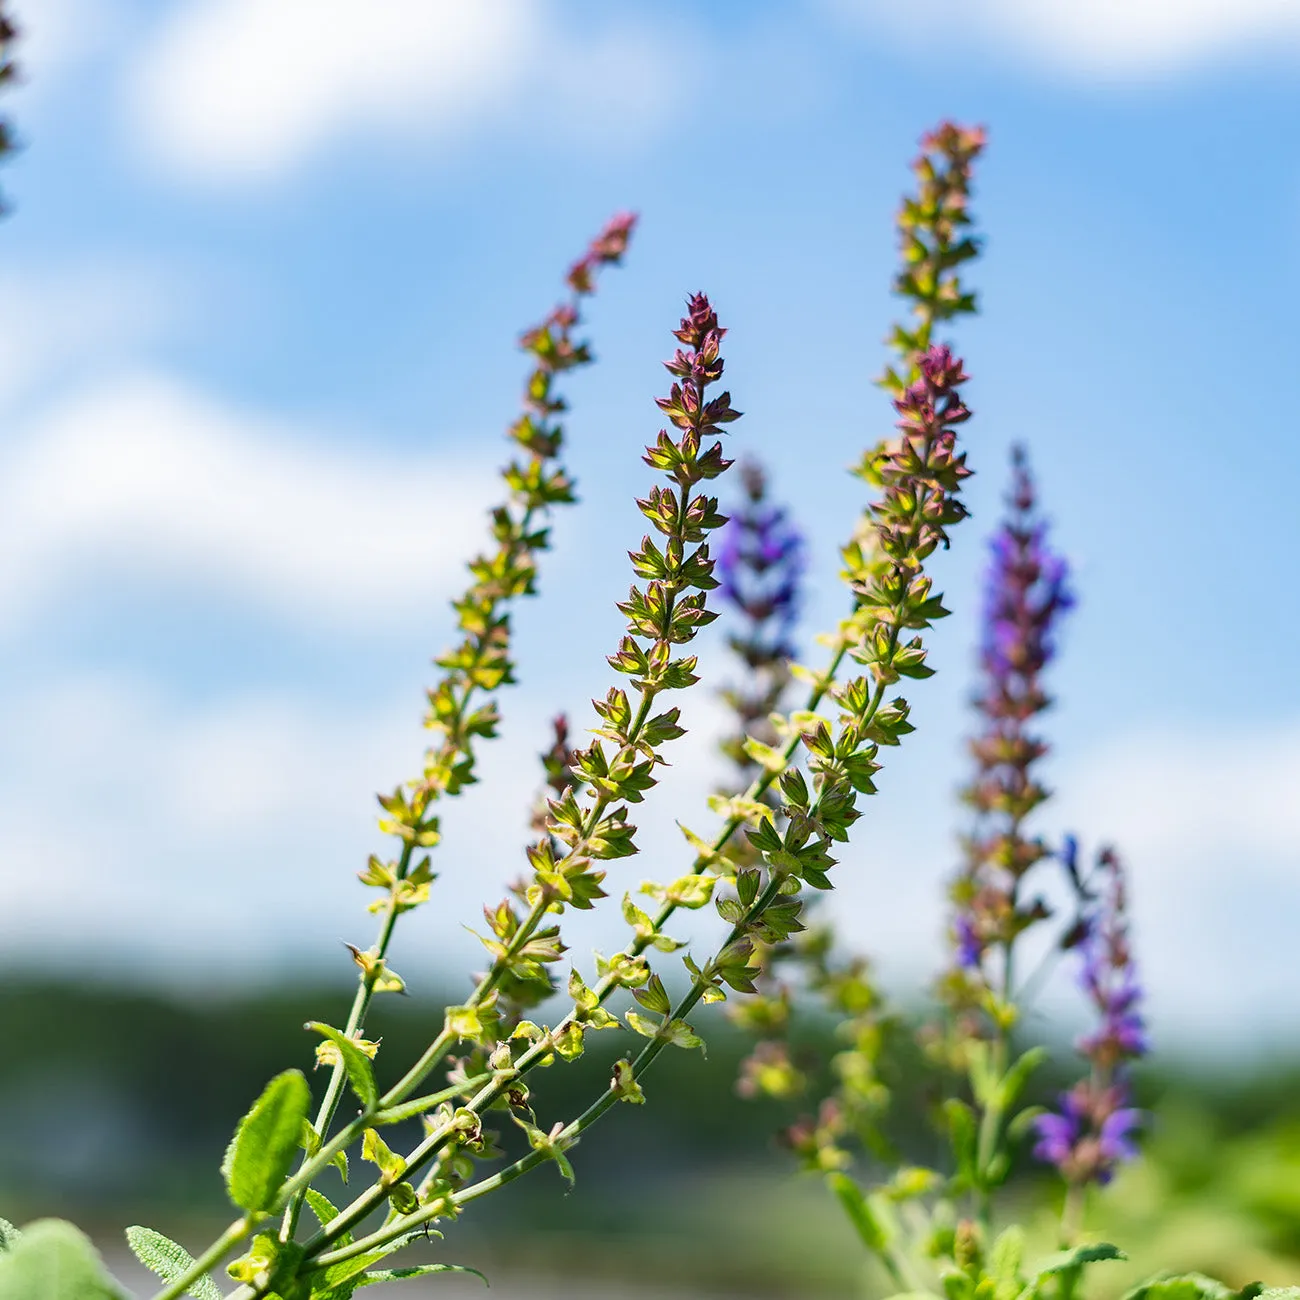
(325, 1211)
(8, 1235)
(52, 1260)
(861, 1216)
(962, 1131)
(1017, 1076)
(262, 1150)
(646, 1028)
(361, 1074)
(1077, 1257)
(417, 1270)
(377, 1151)
(680, 1034)
(1193, 1286)
(1004, 1263)
(169, 1260)
(338, 1281)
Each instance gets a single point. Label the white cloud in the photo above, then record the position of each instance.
(224, 835)
(1106, 39)
(60, 324)
(241, 90)
(1196, 804)
(1209, 823)
(203, 828)
(57, 35)
(223, 838)
(144, 478)
(1209, 827)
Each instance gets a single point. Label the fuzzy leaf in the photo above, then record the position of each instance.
(325, 1211)
(52, 1260)
(8, 1235)
(168, 1260)
(361, 1074)
(262, 1150)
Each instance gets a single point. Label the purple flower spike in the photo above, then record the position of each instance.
(1058, 1133)
(1094, 1131)
(1026, 593)
(759, 569)
(760, 564)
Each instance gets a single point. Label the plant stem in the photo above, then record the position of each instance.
(182, 1282)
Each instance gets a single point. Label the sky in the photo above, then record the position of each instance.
(260, 291)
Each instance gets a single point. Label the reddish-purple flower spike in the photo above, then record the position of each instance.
(607, 248)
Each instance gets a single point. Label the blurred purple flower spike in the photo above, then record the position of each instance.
(1094, 1129)
(760, 564)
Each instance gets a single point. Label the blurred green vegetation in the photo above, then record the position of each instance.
(115, 1106)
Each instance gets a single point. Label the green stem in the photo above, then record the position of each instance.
(434, 1142)
(368, 1201)
(211, 1257)
(1072, 1213)
(364, 994)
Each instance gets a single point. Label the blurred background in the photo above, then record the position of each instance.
(259, 292)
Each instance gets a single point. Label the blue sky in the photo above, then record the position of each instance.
(258, 300)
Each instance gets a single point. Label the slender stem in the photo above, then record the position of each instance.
(644, 1059)
(334, 1089)
(182, 1282)
(1072, 1212)
(364, 994)
(441, 1045)
(434, 1142)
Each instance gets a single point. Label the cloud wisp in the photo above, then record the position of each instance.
(145, 479)
(242, 92)
(1097, 40)
(243, 821)
(58, 326)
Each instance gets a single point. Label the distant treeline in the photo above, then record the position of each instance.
(155, 1084)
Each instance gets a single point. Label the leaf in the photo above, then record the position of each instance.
(1190, 1286)
(361, 1074)
(861, 1216)
(1017, 1076)
(262, 1150)
(1077, 1257)
(52, 1260)
(325, 1211)
(377, 1151)
(8, 1235)
(417, 1270)
(338, 1281)
(1004, 1263)
(646, 1028)
(169, 1260)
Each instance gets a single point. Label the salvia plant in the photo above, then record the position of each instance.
(330, 1182)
